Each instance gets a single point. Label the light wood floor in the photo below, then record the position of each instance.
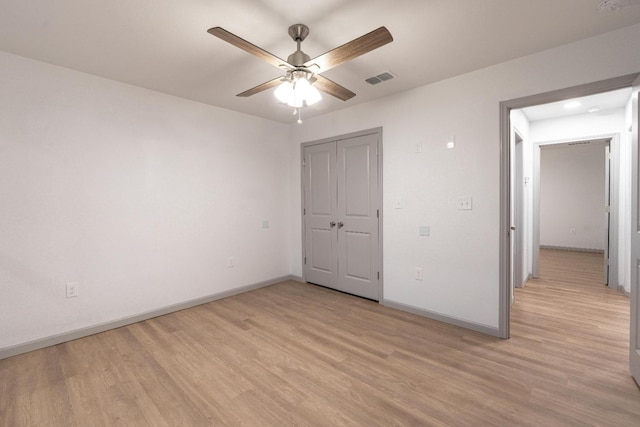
(297, 354)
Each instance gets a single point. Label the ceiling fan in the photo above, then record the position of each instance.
(301, 70)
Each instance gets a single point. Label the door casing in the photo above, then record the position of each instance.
(634, 335)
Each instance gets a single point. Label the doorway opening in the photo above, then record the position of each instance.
(508, 174)
(576, 204)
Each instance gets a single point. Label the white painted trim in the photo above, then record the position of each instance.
(102, 327)
(478, 327)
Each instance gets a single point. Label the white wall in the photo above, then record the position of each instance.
(141, 197)
(137, 196)
(461, 258)
(572, 196)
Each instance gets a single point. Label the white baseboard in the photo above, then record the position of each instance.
(102, 327)
(442, 318)
(568, 248)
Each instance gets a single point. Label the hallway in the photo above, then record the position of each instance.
(579, 324)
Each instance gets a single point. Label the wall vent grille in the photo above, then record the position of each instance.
(382, 77)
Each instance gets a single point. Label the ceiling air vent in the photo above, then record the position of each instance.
(382, 77)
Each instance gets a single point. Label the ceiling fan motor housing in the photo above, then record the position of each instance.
(298, 58)
(298, 33)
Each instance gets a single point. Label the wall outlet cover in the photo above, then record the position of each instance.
(465, 203)
(72, 289)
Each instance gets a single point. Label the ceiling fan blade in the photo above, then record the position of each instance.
(351, 50)
(225, 35)
(262, 87)
(332, 88)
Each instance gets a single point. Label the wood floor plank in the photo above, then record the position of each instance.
(298, 354)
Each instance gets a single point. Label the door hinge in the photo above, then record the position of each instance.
(304, 211)
(378, 275)
(377, 213)
(304, 163)
(305, 260)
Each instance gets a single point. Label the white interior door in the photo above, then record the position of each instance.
(518, 254)
(341, 214)
(634, 356)
(320, 178)
(357, 229)
(516, 231)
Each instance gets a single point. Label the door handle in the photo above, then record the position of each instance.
(340, 224)
(513, 227)
(332, 224)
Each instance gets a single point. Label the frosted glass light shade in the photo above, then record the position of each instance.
(313, 95)
(297, 93)
(284, 92)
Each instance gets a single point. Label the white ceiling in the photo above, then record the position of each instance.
(604, 102)
(163, 44)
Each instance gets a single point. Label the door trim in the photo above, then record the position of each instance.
(373, 131)
(505, 107)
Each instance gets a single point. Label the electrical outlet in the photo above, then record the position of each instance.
(230, 262)
(72, 289)
(572, 231)
(418, 274)
(465, 203)
(419, 147)
(397, 204)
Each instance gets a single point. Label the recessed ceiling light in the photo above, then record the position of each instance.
(569, 105)
(594, 109)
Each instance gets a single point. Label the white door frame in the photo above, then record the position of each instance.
(518, 212)
(504, 315)
(614, 179)
(634, 341)
(378, 132)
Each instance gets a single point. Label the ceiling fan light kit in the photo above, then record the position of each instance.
(301, 84)
(297, 90)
